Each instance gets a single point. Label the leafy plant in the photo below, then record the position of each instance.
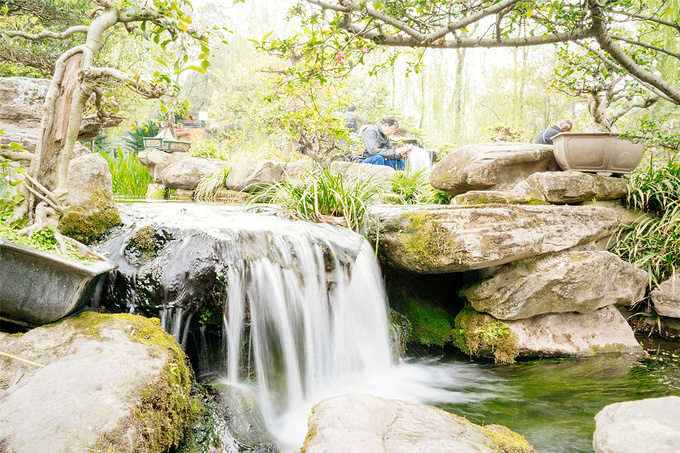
(323, 197)
(654, 188)
(130, 177)
(134, 138)
(209, 185)
(413, 187)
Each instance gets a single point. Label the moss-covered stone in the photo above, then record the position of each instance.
(430, 325)
(478, 334)
(166, 408)
(89, 222)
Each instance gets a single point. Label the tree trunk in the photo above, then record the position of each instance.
(458, 93)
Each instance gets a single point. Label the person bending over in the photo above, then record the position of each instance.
(379, 149)
(545, 137)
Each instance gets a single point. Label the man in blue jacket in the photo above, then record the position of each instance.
(545, 137)
(379, 149)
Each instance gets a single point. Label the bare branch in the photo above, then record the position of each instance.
(651, 19)
(144, 89)
(14, 155)
(648, 46)
(48, 34)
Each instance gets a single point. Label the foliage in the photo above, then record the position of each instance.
(9, 180)
(134, 138)
(209, 185)
(321, 195)
(413, 187)
(653, 241)
(130, 178)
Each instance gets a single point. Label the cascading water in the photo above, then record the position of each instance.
(420, 159)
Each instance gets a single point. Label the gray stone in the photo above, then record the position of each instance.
(666, 297)
(649, 425)
(21, 109)
(299, 167)
(572, 187)
(364, 172)
(490, 165)
(575, 334)
(558, 283)
(369, 424)
(158, 162)
(443, 239)
(186, 173)
(239, 173)
(480, 197)
(244, 176)
(91, 385)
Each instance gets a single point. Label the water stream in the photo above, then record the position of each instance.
(303, 316)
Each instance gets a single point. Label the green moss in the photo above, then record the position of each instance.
(87, 228)
(478, 334)
(609, 348)
(422, 238)
(504, 440)
(144, 244)
(430, 325)
(311, 432)
(536, 201)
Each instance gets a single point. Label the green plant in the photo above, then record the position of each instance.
(654, 188)
(130, 178)
(134, 138)
(413, 187)
(323, 196)
(209, 185)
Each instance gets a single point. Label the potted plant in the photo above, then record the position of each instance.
(604, 153)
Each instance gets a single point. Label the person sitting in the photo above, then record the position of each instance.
(379, 149)
(545, 137)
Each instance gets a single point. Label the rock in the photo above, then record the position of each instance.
(109, 383)
(666, 297)
(299, 167)
(490, 165)
(443, 239)
(21, 108)
(155, 192)
(480, 197)
(634, 426)
(564, 334)
(365, 423)
(247, 175)
(558, 283)
(79, 151)
(559, 187)
(365, 172)
(231, 196)
(91, 210)
(158, 162)
(186, 173)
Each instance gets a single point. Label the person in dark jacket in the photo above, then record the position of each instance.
(379, 149)
(351, 120)
(545, 137)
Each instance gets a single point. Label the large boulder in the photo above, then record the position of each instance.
(666, 297)
(558, 283)
(95, 383)
(158, 162)
(564, 334)
(559, 187)
(490, 165)
(186, 173)
(247, 175)
(369, 424)
(364, 172)
(443, 239)
(91, 210)
(634, 426)
(21, 109)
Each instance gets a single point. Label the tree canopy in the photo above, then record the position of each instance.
(640, 38)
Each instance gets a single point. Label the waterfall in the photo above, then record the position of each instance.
(420, 159)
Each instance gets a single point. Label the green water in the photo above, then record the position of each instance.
(553, 402)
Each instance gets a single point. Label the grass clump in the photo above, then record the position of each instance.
(652, 242)
(209, 185)
(130, 178)
(323, 197)
(413, 187)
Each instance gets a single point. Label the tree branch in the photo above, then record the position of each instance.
(651, 19)
(14, 155)
(48, 34)
(144, 89)
(648, 46)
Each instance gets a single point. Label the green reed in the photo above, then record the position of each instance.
(130, 177)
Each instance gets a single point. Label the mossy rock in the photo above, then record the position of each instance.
(430, 325)
(89, 222)
(479, 335)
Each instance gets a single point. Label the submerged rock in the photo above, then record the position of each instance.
(435, 240)
(634, 426)
(490, 166)
(96, 383)
(365, 423)
(558, 283)
(666, 298)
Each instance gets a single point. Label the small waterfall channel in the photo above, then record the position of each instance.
(302, 305)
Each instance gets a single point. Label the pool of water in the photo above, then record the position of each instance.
(553, 402)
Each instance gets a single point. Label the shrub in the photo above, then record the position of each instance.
(134, 138)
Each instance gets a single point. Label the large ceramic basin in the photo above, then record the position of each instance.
(38, 288)
(603, 153)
